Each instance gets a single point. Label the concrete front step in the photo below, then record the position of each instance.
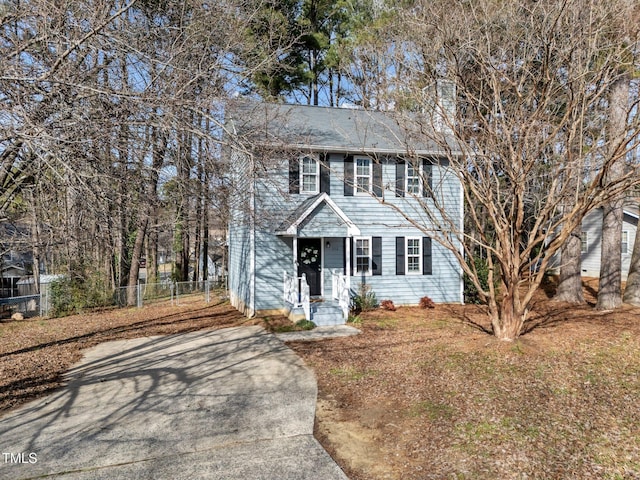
(326, 314)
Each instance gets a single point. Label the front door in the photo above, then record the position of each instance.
(310, 263)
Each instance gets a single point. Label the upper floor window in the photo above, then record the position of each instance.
(309, 175)
(584, 242)
(625, 241)
(363, 175)
(413, 179)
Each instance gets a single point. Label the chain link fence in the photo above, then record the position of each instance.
(175, 292)
(137, 295)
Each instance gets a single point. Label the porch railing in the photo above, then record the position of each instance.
(296, 293)
(341, 291)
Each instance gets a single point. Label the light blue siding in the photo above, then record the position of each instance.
(374, 218)
(273, 258)
(333, 260)
(322, 222)
(592, 225)
(241, 239)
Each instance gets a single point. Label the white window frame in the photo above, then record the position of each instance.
(406, 256)
(369, 272)
(303, 174)
(418, 174)
(584, 242)
(356, 187)
(624, 242)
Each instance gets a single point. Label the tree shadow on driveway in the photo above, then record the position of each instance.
(135, 400)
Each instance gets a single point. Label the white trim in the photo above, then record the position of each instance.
(347, 259)
(461, 227)
(356, 190)
(352, 229)
(406, 256)
(369, 272)
(251, 304)
(350, 149)
(301, 159)
(631, 214)
(322, 267)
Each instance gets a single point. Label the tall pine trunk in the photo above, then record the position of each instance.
(610, 289)
(138, 248)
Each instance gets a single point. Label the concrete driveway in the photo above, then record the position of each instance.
(225, 404)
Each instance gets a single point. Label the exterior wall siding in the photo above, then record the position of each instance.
(274, 254)
(323, 222)
(592, 225)
(241, 239)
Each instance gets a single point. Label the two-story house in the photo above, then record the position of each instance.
(325, 199)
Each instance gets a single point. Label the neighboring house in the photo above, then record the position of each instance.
(9, 276)
(16, 258)
(313, 212)
(591, 237)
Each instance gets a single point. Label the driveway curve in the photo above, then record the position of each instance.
(224, 404)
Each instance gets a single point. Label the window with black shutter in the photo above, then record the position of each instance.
(294, 175)
(400, 167)
(348, 176)
(399, 255)
(427, 178)
(376, 252)
(427, 264)
(377, 179)
(325, 179)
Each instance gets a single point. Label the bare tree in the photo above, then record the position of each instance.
(531, 115)
(95, 96)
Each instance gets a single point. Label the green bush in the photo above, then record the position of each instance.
(305, 324)
(471, 294)
(364, 300)
(74, 295)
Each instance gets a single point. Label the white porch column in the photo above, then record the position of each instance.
(295, 257)
(347, 261)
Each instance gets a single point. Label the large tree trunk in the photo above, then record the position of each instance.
(610, 289)
(507, 317)
(570, 283)
(632, 290)
(138, 247)
(152, 248)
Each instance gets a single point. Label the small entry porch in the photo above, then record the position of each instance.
(319, 234)
(320, 310)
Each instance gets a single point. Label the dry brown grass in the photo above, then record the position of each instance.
(431, 395)
(420, 394)
(34, 353)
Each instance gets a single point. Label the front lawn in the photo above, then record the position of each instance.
(427, 394)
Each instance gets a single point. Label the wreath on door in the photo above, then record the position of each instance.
(309, 255)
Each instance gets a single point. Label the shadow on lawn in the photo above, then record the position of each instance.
(226, 318)
(55, 361)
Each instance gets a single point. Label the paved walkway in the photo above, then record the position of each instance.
(226, 404)
(318, 333)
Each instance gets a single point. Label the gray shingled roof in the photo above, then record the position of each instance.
(330, 129)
